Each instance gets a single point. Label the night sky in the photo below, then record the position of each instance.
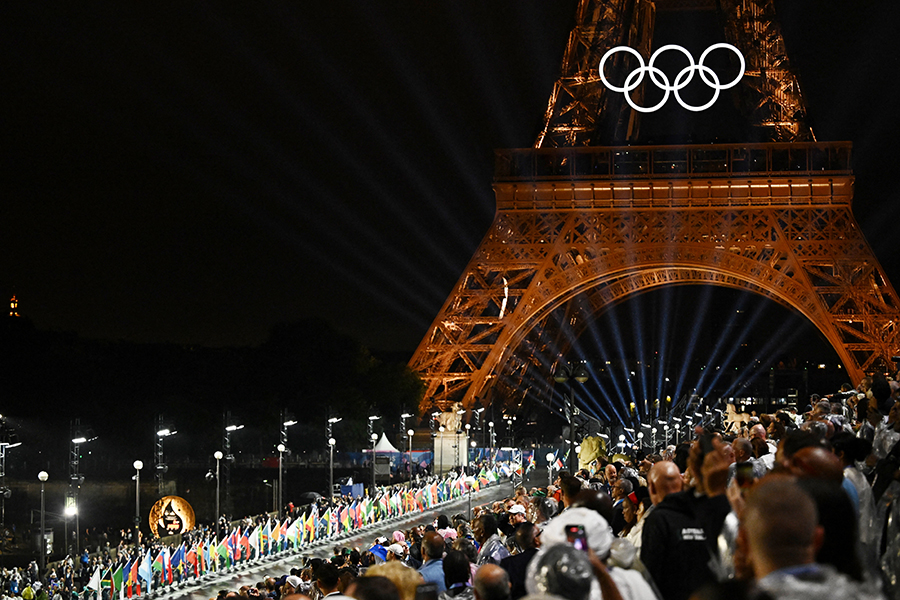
(195, 173)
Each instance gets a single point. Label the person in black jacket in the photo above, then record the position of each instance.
(678, 544)
(528, 538)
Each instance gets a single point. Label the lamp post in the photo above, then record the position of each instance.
(409, 433)
(563, 375)
(42, 476)
(138, 465)
(331, 443)
(374, 441)
(491, 444)
(549, 458)
(280, 449)
(403, 419)
(161, 466)
(441, 466)
(218, 456)
(468, 430)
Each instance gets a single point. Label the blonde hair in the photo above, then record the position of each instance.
(405, 578)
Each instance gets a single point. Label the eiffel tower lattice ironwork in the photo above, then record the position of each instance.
(604, 223)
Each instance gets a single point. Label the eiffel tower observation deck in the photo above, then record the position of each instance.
(670, 166)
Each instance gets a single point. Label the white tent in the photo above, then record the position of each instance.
(384, 445)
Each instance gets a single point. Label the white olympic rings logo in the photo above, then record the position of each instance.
(683, 78)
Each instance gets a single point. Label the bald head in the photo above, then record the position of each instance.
(491, 583)
(818, 463)
(757, 431)
(780, 526)
(664, 479)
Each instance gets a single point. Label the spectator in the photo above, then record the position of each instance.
(528, 539)
(492, 549)
(432, 569)
(491, 583)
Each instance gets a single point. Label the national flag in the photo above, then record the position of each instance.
(191, 558)
(309, 526)
(116, 584)
(282, 533)
(94, 582)
(254, 540)
(202, 563)
(158, 562)
(167, 566)
(345, 519)
(209, 557)
(333, 522)
(126, 574)
(265, 536)
(504, 468)
(530, 465)
(222, 552)
(177, 561)
(245, 545)
(292, 532)
(230, 545)
(145, 571)
(133, 576)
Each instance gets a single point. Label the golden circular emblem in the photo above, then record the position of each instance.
(171, 515)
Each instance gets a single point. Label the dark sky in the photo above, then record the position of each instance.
(196, 172)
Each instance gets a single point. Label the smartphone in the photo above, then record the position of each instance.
(426, 591)
(743, 474)
(575, 535)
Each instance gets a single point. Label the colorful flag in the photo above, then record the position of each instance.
(222, 552)
(310, 526)
(245, 545)
(116, 582)
(190, 557)
(145, 571)
(265, 535)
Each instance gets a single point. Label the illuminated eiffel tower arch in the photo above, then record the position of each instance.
(575, 219)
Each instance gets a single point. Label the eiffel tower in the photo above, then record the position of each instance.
(601, 223)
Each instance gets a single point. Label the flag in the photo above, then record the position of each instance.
(265, 534)
(253, 542)
(222, 551)
(245, 545)
(167, 566)
(145, 571)
(530, 466)
(345, 519)
(309, 526)
(191, 558)
(126, 575)
(116, 582)
(94, 582)
(158, 562)
(292, 531)
(177, 561)
(230, 544)
(209, 558)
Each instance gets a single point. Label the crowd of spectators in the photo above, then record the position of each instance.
(791, 506)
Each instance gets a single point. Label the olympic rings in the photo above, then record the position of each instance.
(684, 77)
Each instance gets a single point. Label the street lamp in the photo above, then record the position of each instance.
(409, 433)
(441, 466)
(549, 458)
(563, 375)
(138, 465)
(491, 444)
(331, 443)
(218, 456)
(161, 466)
(374, 441)
(468, 430)
(280, 449)
(42, 476)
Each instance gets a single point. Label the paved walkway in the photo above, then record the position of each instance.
(210, 585)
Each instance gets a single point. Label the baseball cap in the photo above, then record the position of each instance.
(396, 549)
(516, 509)
(294, 581)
